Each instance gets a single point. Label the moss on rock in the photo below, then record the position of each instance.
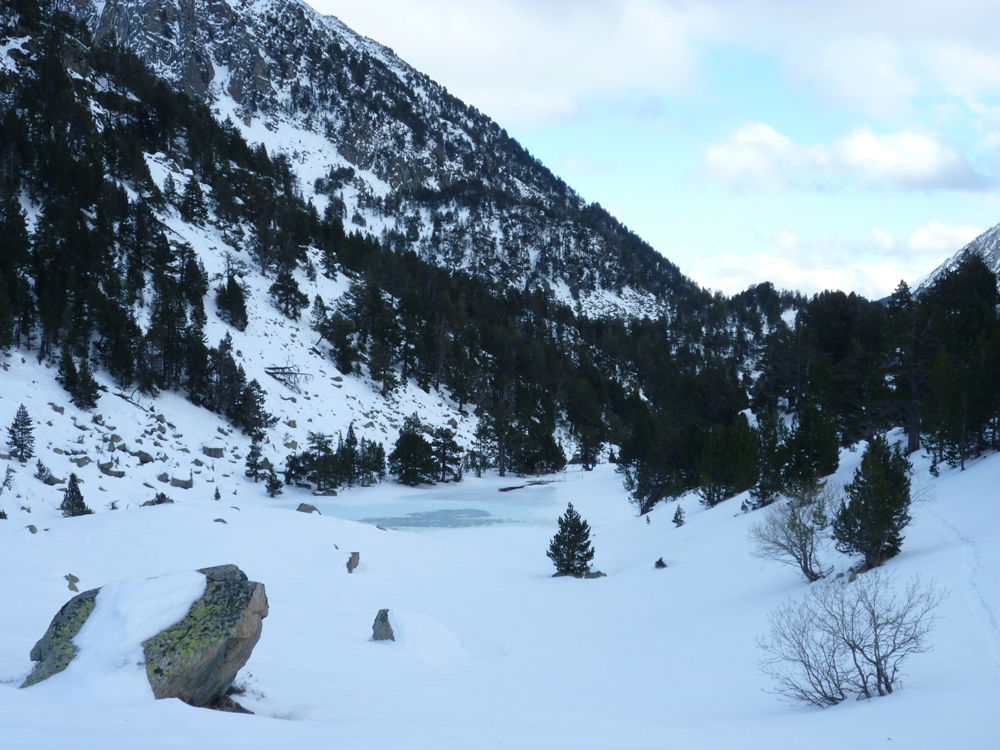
(55, 650)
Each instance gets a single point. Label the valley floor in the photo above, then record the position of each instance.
(491, 651)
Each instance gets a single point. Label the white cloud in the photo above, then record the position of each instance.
(758, 156)
(523, 61)
(937, 240)
(873, 268)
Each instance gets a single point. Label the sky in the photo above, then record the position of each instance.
(817, 145)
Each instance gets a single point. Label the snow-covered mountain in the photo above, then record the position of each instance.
(388, 149)
(986, 246)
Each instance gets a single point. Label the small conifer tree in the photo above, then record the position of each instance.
(20, 435)
(678, 518)
(878, 500)
(73, 504)
(87, 391)
(253, 468)
(570, 549)
(272, 484)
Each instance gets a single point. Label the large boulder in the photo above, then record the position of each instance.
(195, 659)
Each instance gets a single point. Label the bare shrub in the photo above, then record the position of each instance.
(847, 639)
(790, 532)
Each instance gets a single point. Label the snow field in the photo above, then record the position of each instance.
(491, 651)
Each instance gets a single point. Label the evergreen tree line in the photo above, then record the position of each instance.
(352, 463)
(847, 369)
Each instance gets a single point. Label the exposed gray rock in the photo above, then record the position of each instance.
(52, 481)
(213, 451)
(55, 650)
(184, 484)
(381, 629)
(144, 458)
(81, 461)
(164, 477)
(71, 580)
(353, 562)
(220, 520)
(307, 508)
(107, 468)
(196, 659)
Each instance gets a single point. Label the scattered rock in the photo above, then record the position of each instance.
(164, 477)
(213, 451)
(52, 481)
(57, 409)
(81, 461)
(198, 462)
(453, 423)
(266, 465)
(72, 581)
(60, 451)
(106, 468)
(184, 484)
(307, 508)
(32, 528)
(595, 574)
(160, 418)
(144, 458)
(292, 423)
(353, 562)
(220, 520)
(292, 445)
(660, 564)
(381, 629)
(159, 499)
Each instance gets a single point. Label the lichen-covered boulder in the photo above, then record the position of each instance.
(197, 659)
(55, 650)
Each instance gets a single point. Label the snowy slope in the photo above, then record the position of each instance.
(396, 154)
(492, 652)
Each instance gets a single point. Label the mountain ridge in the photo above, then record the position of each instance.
(390, 150)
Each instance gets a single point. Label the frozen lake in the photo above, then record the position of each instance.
(472, 503)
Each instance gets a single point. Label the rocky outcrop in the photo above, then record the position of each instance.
(55, 650)
(195, 659)
(381, 629)
(307, 508)
(353, 561)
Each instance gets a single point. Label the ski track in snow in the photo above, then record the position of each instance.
(973, 568)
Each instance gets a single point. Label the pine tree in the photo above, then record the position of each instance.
(67, 374)
(20, 436)
(412, 457)
(87, 390)
(871, 521)
(272, 484)
(447, 455)
(287, 296)
(253, 468)
(231, 301)
(570, 549)
(73, 504)
(678, 518)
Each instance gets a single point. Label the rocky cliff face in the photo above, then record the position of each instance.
(389, 150)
